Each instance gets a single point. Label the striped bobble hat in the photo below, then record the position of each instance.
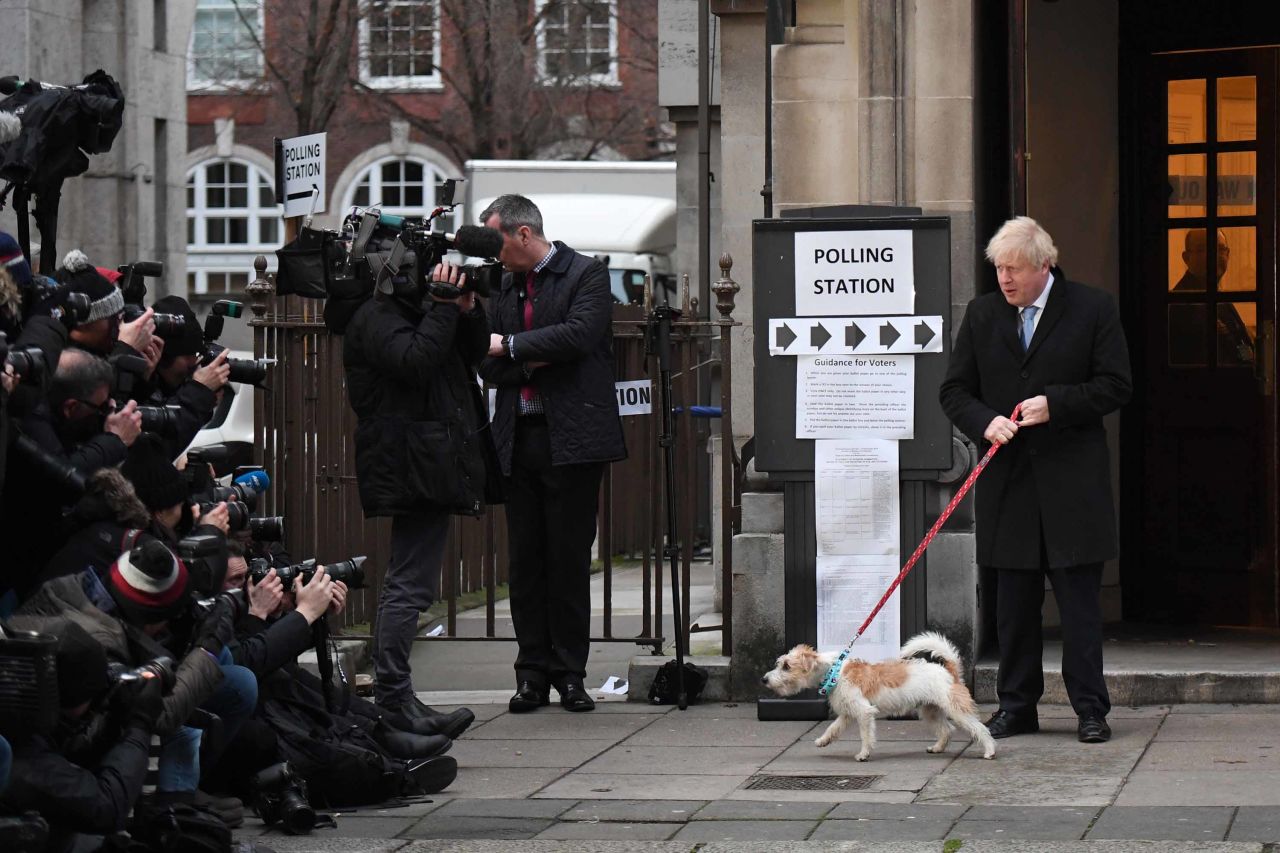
(105, 298)
(149, 583)
(12, 259)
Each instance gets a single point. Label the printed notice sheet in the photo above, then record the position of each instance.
(856, 496)
(848, 395)
(848, 587)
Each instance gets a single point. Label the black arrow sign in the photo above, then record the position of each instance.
(786, 337)
(818, 336)
(853, 336)
(888, 334)
(924, 334)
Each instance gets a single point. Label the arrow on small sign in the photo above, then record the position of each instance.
(818, 336)
(853, 336)
(924, 334)
(786, 337)
(888, 334)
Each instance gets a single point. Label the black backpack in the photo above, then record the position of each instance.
(177, 828)
(341, 763)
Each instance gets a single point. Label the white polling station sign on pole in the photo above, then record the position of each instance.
(300, 183)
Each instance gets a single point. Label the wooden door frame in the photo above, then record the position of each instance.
(1136, 231)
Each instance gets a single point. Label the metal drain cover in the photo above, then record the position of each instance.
(811, 783)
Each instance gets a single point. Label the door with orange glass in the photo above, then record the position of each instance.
(1207, 380)
(1207, 345)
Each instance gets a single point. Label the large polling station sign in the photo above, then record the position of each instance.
(854, 273)
(300, 174)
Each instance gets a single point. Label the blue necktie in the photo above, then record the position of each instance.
(1028, 325)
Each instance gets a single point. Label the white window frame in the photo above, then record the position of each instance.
(431, 175)
(416, 82)
(607, 79)
(205, 258)
(195, 83)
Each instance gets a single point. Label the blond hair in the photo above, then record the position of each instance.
(1022, 238)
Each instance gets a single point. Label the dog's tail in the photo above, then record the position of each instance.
(934, 647)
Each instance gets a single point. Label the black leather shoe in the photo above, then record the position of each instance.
(529, 697)
(573, 697)
(408, 745)
(414, 716)
(1004, 724)
(1093, 730)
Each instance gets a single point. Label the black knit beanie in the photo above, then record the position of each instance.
(158, 483)
(188, 340)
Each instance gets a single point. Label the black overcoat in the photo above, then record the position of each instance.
(421, 430)
(573, 332)
(1054, 476)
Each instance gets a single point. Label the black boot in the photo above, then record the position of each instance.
(414, 716)
(408, 745)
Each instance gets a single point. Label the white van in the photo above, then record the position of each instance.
(621, 212)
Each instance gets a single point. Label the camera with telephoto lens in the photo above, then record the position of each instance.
(204, 553)
(239, 517)
(246, 371)
(68, 306)
(162, 420)
(161, 668)
(131, 283)
(350, 572)
(167, 325)
(280, 796)
(235, 599)
(58, 471)
(27, 362)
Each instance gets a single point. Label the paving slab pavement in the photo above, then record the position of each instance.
(634, 777)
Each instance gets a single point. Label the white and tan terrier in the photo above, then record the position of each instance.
(925, 677)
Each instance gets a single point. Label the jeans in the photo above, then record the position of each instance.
(6, 762)
(233, 702)
(411, 585)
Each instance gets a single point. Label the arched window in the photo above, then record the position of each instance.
(405, 186)
(232, 216)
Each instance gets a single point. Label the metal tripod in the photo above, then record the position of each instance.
(658, 334)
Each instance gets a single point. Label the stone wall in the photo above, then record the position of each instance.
(130, 205)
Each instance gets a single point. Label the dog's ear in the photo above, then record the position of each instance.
(804, 657)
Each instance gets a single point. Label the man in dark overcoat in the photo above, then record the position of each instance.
(1055, 349)
(556, 425)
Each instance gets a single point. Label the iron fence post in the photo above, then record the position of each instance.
(725, 290)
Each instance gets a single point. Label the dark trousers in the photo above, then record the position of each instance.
(551, 525)
(411, 585)
(1019, 600)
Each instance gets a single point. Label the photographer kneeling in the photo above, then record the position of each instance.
(421, 441)
(86, 787)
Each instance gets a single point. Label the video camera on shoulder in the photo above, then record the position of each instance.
(350, 572)
(399, 253)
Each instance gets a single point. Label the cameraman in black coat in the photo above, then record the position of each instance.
(556, 425)
(410, 361)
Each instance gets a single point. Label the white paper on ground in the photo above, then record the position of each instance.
(614, 685)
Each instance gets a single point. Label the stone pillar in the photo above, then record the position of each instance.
(130, 204)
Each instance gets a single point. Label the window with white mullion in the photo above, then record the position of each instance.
(400, 44)
(224, 50)
(578, 42)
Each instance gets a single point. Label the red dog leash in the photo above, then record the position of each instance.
(834, 672)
